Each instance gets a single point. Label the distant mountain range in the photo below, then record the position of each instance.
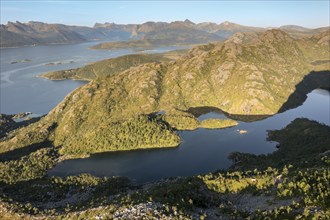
(35, 33)
(15, 34)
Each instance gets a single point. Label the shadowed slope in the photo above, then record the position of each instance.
(314, 80)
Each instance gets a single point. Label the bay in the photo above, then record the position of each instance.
(22, 91)
(202, 151)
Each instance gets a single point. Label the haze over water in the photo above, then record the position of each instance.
(21, 91)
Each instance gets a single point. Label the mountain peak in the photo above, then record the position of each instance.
(10, 23)
(14, 24)
(227, 23)
(187, 21)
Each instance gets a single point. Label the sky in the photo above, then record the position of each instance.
(310, 14)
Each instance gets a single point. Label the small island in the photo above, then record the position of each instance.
(58, 63)
(20, 61)
(241, 131)
(180, 120)
(141, 44)
(216, 123)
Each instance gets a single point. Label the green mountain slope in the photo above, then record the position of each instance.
(111, 66)
(244, 76)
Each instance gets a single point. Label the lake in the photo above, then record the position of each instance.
(202, 150)
(22, 91)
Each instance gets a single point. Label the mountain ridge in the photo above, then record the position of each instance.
(254, 77)
(15, 34)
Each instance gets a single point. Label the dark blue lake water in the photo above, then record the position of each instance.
(202, 150)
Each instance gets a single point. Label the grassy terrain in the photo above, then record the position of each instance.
(148, 133)
(214, 123)
(110, 66)
(273, 187)
(241, 77)
(32, 166)
(180, 120)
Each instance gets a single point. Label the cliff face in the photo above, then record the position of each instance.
(33, 33)
(245, 75)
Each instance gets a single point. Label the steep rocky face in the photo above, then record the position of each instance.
(11, 39)
(21, 34)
